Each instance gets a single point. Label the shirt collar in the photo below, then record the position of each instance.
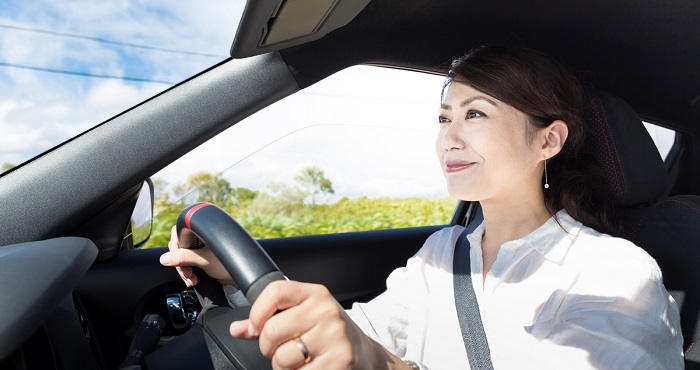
(551, 240)
(554, 238)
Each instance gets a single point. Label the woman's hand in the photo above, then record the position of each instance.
(291, 318)
(184, 259)
(301, 325)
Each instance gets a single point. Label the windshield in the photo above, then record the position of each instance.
(66, 66)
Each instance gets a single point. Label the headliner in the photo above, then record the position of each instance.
(646, 51)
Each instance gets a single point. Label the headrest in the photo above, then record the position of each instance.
(633, 170)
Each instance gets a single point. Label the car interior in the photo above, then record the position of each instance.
(77, 291)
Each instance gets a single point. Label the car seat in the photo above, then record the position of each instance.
(636, 180)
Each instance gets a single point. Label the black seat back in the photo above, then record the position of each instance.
(635, 178)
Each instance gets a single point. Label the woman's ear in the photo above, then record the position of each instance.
(554, 138)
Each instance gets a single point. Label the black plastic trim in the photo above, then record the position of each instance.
(39, 276)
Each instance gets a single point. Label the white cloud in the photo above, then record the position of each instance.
(31, 127)
(5, 107)
(113, 95)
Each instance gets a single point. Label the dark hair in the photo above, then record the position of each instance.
(545, 90)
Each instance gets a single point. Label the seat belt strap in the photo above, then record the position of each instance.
(467, 306)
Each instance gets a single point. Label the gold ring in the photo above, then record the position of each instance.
(303, 349)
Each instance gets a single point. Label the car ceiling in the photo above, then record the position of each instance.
(647, 51)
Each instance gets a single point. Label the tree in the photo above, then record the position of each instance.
(160, 190)
(283, 196)
(243, 197)
(205, 187)
(313, 182)
(6, 167)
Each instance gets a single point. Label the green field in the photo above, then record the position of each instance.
(271, 218)
(283, 210)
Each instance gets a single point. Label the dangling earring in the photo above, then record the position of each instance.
(546, 182)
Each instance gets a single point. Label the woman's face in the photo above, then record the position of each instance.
(484, 149)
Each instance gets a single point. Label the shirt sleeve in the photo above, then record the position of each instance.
(386, 318)
(617, 315)
(235, 297)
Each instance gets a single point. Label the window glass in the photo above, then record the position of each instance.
(66, 66)
(664, 138)
(354, 152)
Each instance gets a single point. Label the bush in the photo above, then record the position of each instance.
(270, 217)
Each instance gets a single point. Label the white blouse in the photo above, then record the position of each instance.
(555, 299)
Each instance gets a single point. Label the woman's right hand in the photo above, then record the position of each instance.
(184, 259)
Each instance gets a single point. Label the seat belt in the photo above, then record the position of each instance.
(467, 306)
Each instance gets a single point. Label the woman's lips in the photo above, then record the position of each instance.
(456, 166)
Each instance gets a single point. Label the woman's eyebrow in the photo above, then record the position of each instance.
(478, 97)
(469, 101)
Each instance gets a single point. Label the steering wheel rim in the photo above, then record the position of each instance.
(204, 224)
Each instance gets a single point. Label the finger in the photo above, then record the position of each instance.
(316, 322)
(330, 360)
(187, 275)
(183, 260)
(277, 296)
(174, 243)
(185, 272)
(242, 330)
(294, 353)
(315, 312)
(321, 354)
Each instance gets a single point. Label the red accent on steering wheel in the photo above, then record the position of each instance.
(192, 210)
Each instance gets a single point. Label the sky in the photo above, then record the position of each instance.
(39, 110)
(384, 148)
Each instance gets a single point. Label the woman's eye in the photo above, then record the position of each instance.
(443, 119)
(473, 113)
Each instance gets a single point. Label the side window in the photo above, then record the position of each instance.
(664, 138)
(354, 152)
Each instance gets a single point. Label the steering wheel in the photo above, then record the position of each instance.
(204, 224)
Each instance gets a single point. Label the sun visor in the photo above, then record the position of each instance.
(269, 25)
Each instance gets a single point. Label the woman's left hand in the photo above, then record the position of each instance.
(301, 325)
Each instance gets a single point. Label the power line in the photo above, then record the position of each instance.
(84, 74)
(105, 41)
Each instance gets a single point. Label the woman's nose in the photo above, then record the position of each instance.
(451, 138)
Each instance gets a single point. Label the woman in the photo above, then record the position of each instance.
(552, 292)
